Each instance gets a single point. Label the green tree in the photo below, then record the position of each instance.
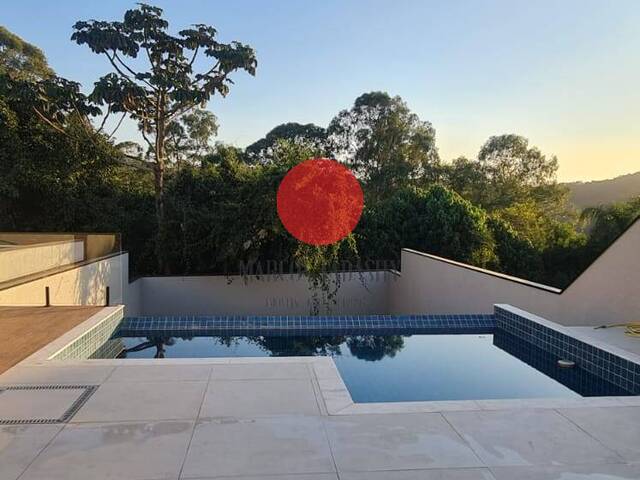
(189, 137)
(57, 177)
(549, 249)
(514, 254)
(565, 256)
(515, 171)
(528, 219)
(606, 222)
(468, 178)
(168, 87)
(384, 143)
(223, 153)
(311, 135)
(435, 220)
(201, 126)
(21, 60)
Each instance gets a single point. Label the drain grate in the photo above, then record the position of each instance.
(87, 391)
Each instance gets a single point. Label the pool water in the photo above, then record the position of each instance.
(393, 368)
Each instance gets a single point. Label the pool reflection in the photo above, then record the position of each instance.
(363, 347)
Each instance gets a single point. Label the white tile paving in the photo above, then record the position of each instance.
(161, 373)
(528, 437)
(132, 451)
(580, 472)
(617, 428)
(249, 398)
(397, 442)
(260, 371)
(266, 419)
(313, 476)
(260, 446)
(448, 474)
(56, 374)
(128, 401)
(19, 446)
(37, 404)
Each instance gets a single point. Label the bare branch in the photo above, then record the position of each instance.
(146, 47)
(195, 53)
(176, 112)
(49, 122)
(135, 74)
(117, 126)
(86, 123)
(104, 120)
(210, 71)
(145, 125)
(122, 74)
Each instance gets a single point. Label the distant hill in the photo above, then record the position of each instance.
(590, 194)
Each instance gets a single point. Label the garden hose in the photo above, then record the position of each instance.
(631, 329)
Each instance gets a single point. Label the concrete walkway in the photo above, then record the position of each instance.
(613, 336)
(268, 421)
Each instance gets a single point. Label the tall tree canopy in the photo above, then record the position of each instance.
(606, 222)
(58, 173)
(514, 170)
(167, 87)
(385, 144)
(20, 59)
(434, 220)
(189, 137)
(311, 135)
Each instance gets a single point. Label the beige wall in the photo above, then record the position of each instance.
(608, 292)
(85, 285)
(132, 300)
(267, 295)
(32, 238)
(16, 262)
(100, 245)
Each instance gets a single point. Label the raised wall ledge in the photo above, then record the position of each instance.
(55, 271)
(539, 286)
(503, 276)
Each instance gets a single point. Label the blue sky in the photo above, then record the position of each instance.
(565, 74)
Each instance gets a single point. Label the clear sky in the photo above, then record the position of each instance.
(565, 74)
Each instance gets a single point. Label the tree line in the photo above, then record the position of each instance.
(186, 204)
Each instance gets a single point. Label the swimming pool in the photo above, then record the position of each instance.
(384, 358)
(397, 366)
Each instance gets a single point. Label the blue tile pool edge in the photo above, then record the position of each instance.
(327, 324)
(606, 363)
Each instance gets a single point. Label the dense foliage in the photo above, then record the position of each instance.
(163, 94)
(59, 171)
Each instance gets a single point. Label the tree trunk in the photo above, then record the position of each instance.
(159, 189)
(158, 172)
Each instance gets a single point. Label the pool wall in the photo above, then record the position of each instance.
(92, 341)
(360, 293)
(614, 365)
(294, 324)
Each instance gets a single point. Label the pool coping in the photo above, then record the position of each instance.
(327, 379)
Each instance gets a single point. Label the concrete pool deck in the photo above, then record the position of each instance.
(613, 336)
(268, 419)
(290, 418)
